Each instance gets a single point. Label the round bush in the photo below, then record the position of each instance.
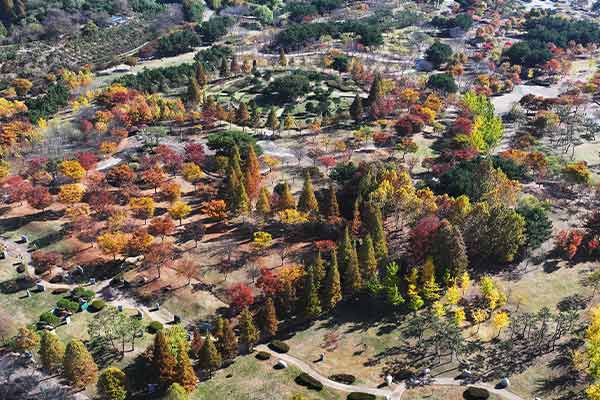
(97, 305)
(360, 396)
(309, 382)
(279, 346)
(49, 318)
(475, 393)
(346, 379)
(67, 304)
(263, 355)
(83, 293)
(154, 327)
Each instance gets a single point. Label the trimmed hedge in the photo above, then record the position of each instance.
(83, 293)
(346, 379)
(309, 382)
(360, 396)
(97, 305)
(279, 346)
(475, 393)
(155, 326)
(49, 318)
(263, 355)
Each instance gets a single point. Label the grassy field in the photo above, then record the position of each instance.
(250, 379)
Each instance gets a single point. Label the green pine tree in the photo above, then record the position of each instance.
(318, 269)
(52, 352)
(352, 281)
(224, 69)
(312, 304)
(356, 109)
(307, 201)
(209, 358)
(272, 120)
(376, 92)
(248, 331)
(378, 233)
(345, 251)
(111, 384)
(332, 288)
(241, 200)
(368, 262)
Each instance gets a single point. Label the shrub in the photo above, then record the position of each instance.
(360, 396)
(68, 304)
(279, 346)
(475, 393)
(49, 318)
(83, 293)
(309, 382)
(346, 379)
(97, 305)
(61, 290)
(263, 355)
(155, 326)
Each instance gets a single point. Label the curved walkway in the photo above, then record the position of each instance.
(398, 389)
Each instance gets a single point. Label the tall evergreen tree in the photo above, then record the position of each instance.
(286, 200)
(248, 331)
(269, 319)
(286, 298)
(333, 209)
(332, 288)
(217, 331)
(311, 302)
(356, 109)
(345, 251)
(368, 262)
(224, 69)
(241, 200)
(209, 358)
(242, 116)
(352, 281)
(318, 269)
(111, 384)
(282, 58)
(52, 352)
(356, 218)
(176, 392)
(288, 121)
(201, 75)
(272, 121)
(235, 161)
(307, 201)
(228, 346)
(252, 178)
(263, 204)
(235, 65)
(449, 251)
(163, 360)
(233, 183)
(378, 233)
(194, 92)
(376, 92)
(78, 365)
(254, 116)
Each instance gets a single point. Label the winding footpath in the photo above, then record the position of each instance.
(394, 393)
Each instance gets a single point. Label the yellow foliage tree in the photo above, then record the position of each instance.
(179, 210)
(71, 193)
(72, 169)
(112, 244)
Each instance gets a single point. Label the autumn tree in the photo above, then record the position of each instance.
(272, 120)
(209, 358)
(201, 75)
(286, 199)
(191, 172)
(78, 365)
(345, 250)
(228, 345)
(39, 197)
(242, 116)
(195, 231)
(269, 321)
(333, 209)
(72, 169)
(179, 210)
(186, 376)
(252, 176)
(159, 256)
(112, 244)
(310, 299)
(240, 296)
(163, 360)
(154, 177)
(139, 242)
(71, 193)
(26, 340)
(111, 384)
(248, 331)
(194, 92)
(377, 232)
(449, 251)
(161, 226)
(142, 207)
(263, 204)
(120, 175)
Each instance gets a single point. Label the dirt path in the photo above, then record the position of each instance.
(398, 389)
(21, 253)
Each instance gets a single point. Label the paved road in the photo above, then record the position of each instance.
(397, 389)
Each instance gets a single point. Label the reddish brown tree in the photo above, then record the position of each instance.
(87, 159)
(120, 175)
(194, 152)
(240, 296)
(161, 226)
(159, 256)
(268, 282)
(39, 197)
